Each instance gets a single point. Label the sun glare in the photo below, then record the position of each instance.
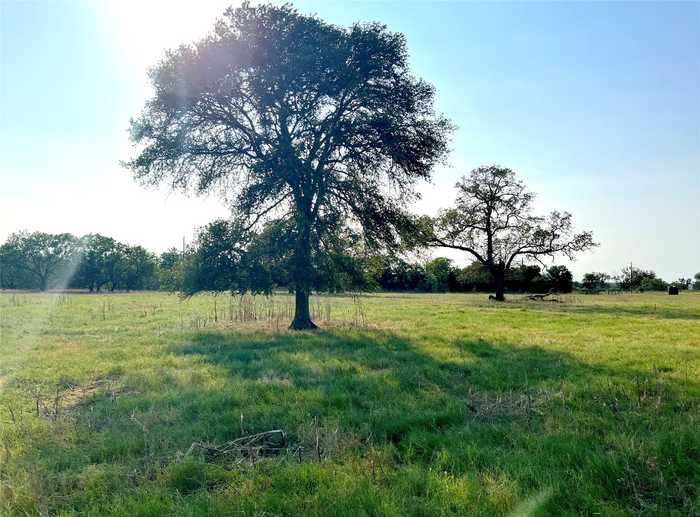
(144, 30)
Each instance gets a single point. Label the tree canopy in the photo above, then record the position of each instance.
(38, 258)
(595, 281)
(226, 258)
(634, 279)
(297, 120)
(44, 261)
(221, 259)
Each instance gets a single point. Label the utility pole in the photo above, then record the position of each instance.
(630, 277)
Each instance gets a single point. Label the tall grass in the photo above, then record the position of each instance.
(276, 311)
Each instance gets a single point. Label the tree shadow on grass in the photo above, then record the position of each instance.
(382, 384)
(215, 386)
(379, 388)
(370, 381)
(649, 310)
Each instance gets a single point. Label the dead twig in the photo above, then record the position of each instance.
(261, 444)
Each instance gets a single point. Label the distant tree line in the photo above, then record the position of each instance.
(97, 263)
(441, 275)
(217, 261)
(634, 279)
(94, 262)
(223, 260)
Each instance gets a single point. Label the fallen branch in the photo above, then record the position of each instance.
(261, 444)
(541, 297)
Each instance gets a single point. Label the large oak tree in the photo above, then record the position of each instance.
(298, 120)
(492, 220)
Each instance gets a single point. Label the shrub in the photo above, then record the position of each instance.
(652, 284)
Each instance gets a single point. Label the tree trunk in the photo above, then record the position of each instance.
(499, 278)
(302, 314)
(302, 277)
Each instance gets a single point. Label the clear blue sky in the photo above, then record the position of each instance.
(597, 105)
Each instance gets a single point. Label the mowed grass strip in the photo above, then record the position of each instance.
(403, 404)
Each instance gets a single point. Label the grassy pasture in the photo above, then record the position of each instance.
(403, 405)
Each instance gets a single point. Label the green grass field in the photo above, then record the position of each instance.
(402, 405)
